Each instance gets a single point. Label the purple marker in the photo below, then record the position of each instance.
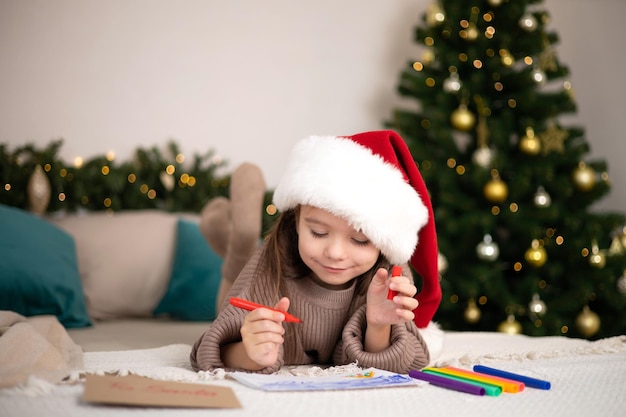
(448, 383)
(528, 381)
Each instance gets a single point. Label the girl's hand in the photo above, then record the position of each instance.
(262, 333)
(381, 311)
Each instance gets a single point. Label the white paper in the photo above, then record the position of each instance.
(368, 378)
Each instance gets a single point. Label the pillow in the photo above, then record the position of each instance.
(124, 259)
(196, 275)
(38, 269)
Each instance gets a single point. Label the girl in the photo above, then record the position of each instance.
(326, 260)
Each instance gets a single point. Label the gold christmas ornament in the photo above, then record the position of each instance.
(38, 190)
(529, 143)
(584, 177)
(587, 322)
(463, 119)
(552, 139)
(496, 190)
(495, 3)
(616, 247)
(510, 326)
(472, 312)
(536, 255)
(618, 244)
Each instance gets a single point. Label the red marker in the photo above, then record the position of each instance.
(396, 271)
(249, 305)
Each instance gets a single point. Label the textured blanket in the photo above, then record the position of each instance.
(588, 379)
(37, 346)
(461, 350)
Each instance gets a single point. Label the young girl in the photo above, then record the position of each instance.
(351, 207)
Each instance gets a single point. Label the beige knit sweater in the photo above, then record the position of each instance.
(330, 332)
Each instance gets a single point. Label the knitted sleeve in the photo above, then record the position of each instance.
(206, 351)
(408, 350)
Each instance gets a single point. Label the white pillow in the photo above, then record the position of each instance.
(125, 259)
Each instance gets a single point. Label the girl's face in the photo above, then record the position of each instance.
(332, 249)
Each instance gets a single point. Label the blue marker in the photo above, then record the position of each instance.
(528, 381)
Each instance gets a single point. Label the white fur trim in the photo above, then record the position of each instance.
(344, 178)
(433, 336)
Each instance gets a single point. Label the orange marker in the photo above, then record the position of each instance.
(249, 305)
(396, 271)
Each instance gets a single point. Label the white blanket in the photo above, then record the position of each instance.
(588, 378)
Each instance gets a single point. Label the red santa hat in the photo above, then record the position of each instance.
(370, 179)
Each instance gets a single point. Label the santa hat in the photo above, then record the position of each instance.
(370, 179)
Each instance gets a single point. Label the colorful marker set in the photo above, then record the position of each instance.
(483, 380)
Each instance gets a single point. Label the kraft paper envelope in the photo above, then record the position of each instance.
(140, 391)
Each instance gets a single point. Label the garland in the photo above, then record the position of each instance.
(152, 179)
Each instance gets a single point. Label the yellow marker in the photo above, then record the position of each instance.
(507, 385)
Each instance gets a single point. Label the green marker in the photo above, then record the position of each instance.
(492, 390)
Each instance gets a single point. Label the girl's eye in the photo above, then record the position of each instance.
(361, 242)
(317, 234)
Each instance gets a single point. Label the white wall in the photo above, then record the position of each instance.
(249, 78)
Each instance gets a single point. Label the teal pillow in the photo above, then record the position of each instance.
(196, 274)
(39, 270)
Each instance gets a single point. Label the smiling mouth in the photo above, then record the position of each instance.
(333, 270)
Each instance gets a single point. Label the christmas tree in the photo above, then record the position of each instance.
(521, 248)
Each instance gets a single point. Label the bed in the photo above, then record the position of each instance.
(587, 378)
